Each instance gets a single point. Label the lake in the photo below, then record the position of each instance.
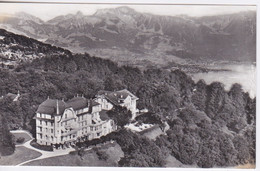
(244, 74)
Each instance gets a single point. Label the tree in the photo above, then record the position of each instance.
(7, 145)
(120, 115)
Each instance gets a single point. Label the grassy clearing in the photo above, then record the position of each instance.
(152, 132)
(20, 155)
(23, 135)
(89, 158)
(171, 161)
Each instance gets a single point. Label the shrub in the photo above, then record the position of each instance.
(102, 155)
(20, 140)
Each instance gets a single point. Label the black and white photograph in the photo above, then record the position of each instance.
(128, 85)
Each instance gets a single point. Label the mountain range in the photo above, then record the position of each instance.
(127, 36)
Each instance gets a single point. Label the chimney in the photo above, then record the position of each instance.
(58, 111)
(88, 104)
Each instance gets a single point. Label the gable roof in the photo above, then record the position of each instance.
(117, 97)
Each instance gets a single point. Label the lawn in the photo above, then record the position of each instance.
(90, 158)
(23, 135)
(20, 155)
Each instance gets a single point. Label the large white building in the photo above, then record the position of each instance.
(79, 119)
(123, 98)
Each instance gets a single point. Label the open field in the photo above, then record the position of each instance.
(89, 158)
(20, 155)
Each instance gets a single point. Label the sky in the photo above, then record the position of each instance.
(49, 11)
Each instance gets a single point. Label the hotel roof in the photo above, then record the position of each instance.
(116, 97)
(49, 106)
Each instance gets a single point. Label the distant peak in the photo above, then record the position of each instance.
(79, 13)
(116, 11)
(126, 9)
(26, 16)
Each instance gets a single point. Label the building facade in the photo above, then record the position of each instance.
(79, 119)
(123, 98)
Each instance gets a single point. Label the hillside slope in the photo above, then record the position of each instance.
(15, 49)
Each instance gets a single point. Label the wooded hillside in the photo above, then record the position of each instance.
(208, 125)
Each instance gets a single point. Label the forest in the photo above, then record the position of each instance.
(209, 127)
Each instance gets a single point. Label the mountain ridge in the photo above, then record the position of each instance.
(123, 34)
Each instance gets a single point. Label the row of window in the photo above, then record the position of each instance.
(45, 116)
(45, 123)
(51, 138)
(95, 128)
(46, 130)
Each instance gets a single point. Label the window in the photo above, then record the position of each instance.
(46, 123)
(41, 129)
(40, 122)
(51, 130)
(46, 129)
(52, 124)
(65, 116)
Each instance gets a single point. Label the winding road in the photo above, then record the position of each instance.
(44, 154)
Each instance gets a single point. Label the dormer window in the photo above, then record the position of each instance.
(65, 116)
